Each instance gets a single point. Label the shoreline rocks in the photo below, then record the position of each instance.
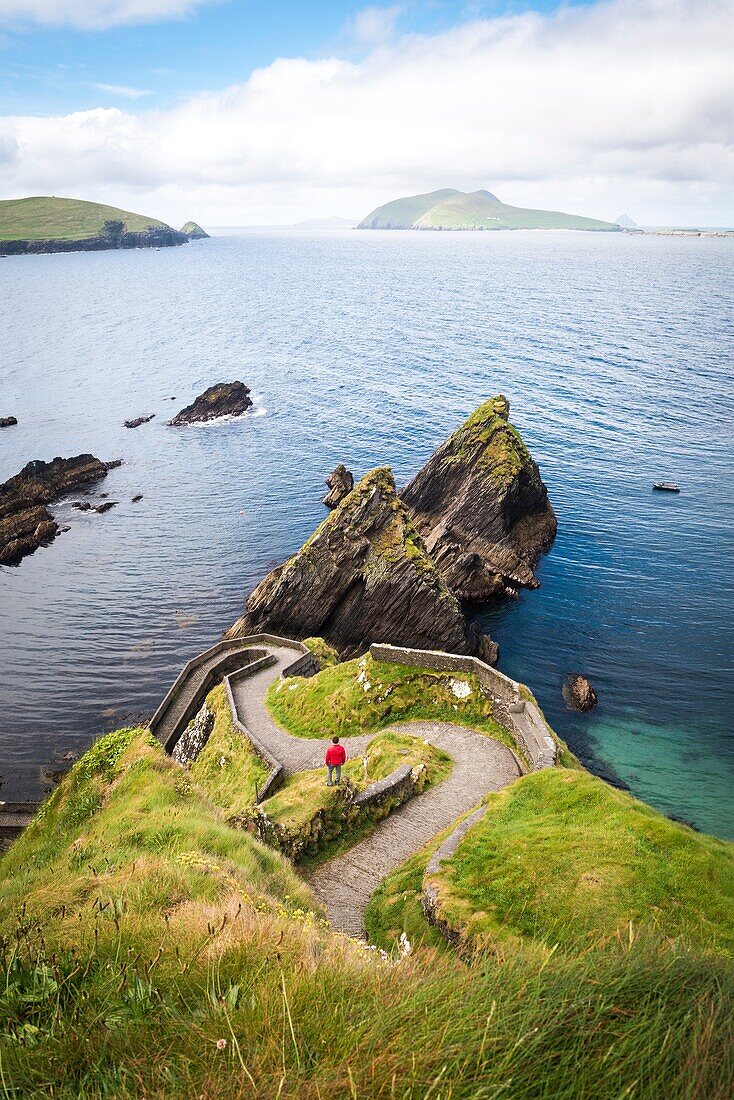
(223, 399)
(363, 576)
(8, 421)
(482, 508)
(112, 238)
(138, 421)
(578, 692)
(25, 522)
(340, 482)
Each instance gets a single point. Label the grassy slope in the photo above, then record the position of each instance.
(475, 210)
(46, 218)
(141, 935)
(227, 768)
(404, 212)
(564, 857)
(363, 695)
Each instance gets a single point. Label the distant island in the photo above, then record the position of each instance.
(451, 209)
(45, 223)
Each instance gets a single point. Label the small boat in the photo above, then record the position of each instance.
(666, 487)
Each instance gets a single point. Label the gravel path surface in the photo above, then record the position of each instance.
(346, 883)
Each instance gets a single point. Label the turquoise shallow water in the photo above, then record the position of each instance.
(615, 353)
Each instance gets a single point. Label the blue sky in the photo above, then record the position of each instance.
(245, 112)
(48, 69)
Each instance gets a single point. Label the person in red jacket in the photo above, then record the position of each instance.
(335, 757)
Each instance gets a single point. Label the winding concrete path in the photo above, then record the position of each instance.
(346, 883)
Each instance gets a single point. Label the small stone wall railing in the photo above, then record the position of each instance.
(522, 717)
(430, 892)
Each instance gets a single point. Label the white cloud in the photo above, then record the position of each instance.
(122, 91)
(373, 26)
(94, 14)
(624, 105)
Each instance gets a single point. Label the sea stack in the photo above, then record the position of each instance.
(363, 576)
(340, 482)
(482, 508)
(223, 399)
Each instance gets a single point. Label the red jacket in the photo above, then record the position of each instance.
(335, 755)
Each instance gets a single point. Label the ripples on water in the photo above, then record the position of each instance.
(367, 348)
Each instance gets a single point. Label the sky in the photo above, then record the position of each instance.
(248, 112)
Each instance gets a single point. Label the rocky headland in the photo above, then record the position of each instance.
(223, 399)
(363, 576)
(482, 508)
(25, 522)
(340, 483)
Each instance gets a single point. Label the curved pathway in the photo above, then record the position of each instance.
(346, 883)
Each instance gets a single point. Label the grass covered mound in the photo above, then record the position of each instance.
(304, 793)
(228, 768)
(563, 857)
(149, 950)
(362, 695)
(47, 218)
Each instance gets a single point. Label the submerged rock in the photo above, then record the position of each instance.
(578, 692)
(224, 399)
(25, 523)
(363, 576)
(482, 508)
(8, 421)
(341, 483)
(138, 421)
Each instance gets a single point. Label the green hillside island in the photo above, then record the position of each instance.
(48, 224)
(150, 947)
(451, 209)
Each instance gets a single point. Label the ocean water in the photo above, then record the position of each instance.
(614, 351)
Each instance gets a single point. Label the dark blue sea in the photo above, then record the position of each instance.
(367, 348)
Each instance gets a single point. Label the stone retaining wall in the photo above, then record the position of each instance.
(430, 894)
(522, 718)
(346, 810)
(275, 775)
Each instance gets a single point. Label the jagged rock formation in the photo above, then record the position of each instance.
(25, 523)
(138, 420)
(194, 232)
(224, 399)
(363, 576)
(482, 508)
(341, 483)
(8, 421)
(578, 692)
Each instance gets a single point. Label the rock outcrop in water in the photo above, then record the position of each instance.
(224, 399)
(25, 523)
(578, 692)
(482, 508)
(194, 232)
(8, 421)
(138, 420)
(363, 576)
(341, 483)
